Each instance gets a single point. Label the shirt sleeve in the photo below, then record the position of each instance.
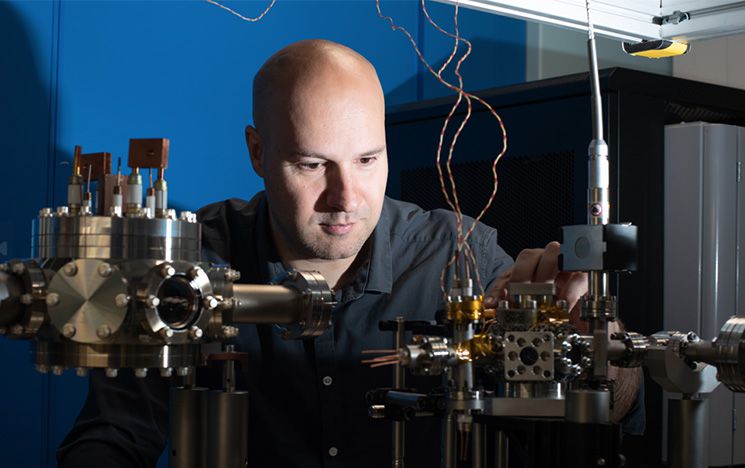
(492, 260)
(122, 424)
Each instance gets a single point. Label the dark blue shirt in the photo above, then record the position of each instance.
(307, 397)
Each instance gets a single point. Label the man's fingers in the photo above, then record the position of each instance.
(525, 265)
(498, 289)
(548, 264)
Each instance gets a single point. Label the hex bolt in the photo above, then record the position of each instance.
(45, 213)
(167, 372)
(141, 372)
(62, 211)
(183, 371)
(166, 270)
(58, 370)
(42, 368)
(171, 213)
(232, 275)
(27, 299)
(19, 268)
(152, 301)
(229, 331)
(68, 330)
(81, 371)
(195, 333)
(52, 299)
(112, 372)
(105, 270)
(70, 269)
(210, 302)
(104, 331)
(166, 333)
(121, 300)
(188, 216)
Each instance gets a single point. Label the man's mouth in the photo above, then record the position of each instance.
(337, 229)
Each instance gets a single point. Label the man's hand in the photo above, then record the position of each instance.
(542, 266)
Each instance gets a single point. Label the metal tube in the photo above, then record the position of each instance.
(477, 445)
(501, 450)
(399, 433)
(188, 428)
(227, 434)
(588, 406)
(686, 437)
(449, 454)
(266, 304)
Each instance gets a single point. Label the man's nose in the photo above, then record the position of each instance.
(342, 192)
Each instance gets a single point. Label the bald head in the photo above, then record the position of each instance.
(310, 66)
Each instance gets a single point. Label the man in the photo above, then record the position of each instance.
(318, 142)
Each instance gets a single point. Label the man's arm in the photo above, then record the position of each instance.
(123, 423)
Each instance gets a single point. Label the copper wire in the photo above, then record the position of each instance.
(462, 243)
(244, 18)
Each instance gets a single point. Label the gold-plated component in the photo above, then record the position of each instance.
(482, 345)
(465, 309)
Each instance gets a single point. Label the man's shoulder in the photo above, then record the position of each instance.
(412, 223)
(230, 209)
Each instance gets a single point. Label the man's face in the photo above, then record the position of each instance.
(325, 169)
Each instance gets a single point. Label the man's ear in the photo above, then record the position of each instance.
(255, 150)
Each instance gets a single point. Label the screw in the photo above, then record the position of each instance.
(188, 216)
(112, 372)
(81, 371)
(58, 370)
(105, 270)
(42, 368)
(166, 333)
(171, 213)
(167, 372)
(229, 331)
(121, 300)
(68, 330)
(232, 275)
(152, 301)
(210, 302)
(183, 371)
(166, 271)
(104, 331)
(62, 211)
(195, 333)
(16, 330)
(52, 299)
(45, 213)
(70, 269)
(141, 372)
(27, 299)
(19, 268)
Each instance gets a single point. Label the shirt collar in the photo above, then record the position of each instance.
(379, 272)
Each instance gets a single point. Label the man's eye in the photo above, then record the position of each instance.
(366, 161)
(313, 166)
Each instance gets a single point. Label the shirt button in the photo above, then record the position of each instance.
(327, 381)
(333, 451)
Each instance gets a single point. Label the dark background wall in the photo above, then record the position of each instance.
(97, 73)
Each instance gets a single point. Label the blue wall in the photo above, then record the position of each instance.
(98, 73)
